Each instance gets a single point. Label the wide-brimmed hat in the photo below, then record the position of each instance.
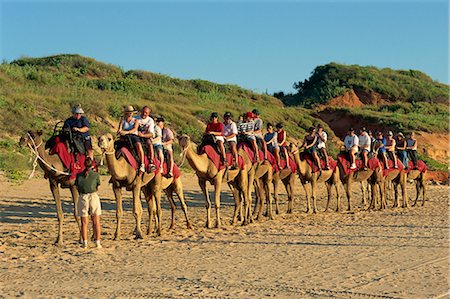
(77, 109)
(390, 133)
(400, 134)
(227, 114)
(128, 108)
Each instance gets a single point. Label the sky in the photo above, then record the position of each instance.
(265, 46)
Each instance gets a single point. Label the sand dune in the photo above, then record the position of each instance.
(396, 253)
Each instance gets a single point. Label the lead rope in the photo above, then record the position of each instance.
(35, 151)
(183, 157)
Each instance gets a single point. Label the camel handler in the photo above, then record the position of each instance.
(79, 125)
(87, 183)
(351, 143)
(364, 146)
(146, 131)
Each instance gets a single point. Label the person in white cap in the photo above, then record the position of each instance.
(364, 146)
(128, 127)
(79, 125)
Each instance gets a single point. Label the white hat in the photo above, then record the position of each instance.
(77, 109)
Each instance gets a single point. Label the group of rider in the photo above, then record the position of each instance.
(142, 130)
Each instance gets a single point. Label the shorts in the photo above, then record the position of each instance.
(89, 204)
(271, 148)
(232, 140)
(353, 149)
(250, 137)
(158, 147)
(168, 147)
(88, 143)
(219, 138)
(133, 138)
(311, 150)
(364, 150)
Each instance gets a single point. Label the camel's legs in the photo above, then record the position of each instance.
(137, 209)
(202, 184)
(150, 207)
(404, 192)
(364, 194)
(259, 205)
(314, 196)
(59, 211)
(329, 193)
(338, 193)
(383, 203)
(417, 193)
(75, 197)
(156, 188)
(217, 190)
(396, 201)
(237, 202)
(348, 190)
(422, 185)
(178, 187)
(276, 183)
(118, 195)
(290, 192)
(173, 207)
(267, 185)
(308, 196)
(243, 195)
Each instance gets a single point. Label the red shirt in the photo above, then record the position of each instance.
(215, 127)
(280, 138)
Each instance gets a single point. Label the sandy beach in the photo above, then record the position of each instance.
(395, 253)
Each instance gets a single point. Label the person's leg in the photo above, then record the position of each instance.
(140, 151)
(161, 158)
(385, 160)
(277, 156)
(316, 158)
(255, 149)
(222, 149)
(84, 230)
(150, 153)
(365, 158)
(394, 158)
(286, 156)
(97, 233)
(414, 157)
(263, 142)
(170, 166)
(325, 155)
(234, 152)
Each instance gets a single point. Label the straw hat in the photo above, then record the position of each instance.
(129, 108)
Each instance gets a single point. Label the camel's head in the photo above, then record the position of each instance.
(184, 141)
(106, 142)
(31, 138)
(293, 148)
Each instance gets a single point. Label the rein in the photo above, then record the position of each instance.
(34, 150)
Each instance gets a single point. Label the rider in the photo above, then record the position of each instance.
(281, 139)
(167, 138)
(146, 131)
(412, 148)
(272, 144)
(382, 149)
(230, 134)
(322, 138)
(216, 129)
(245, 129)
(257, 131)
(364, 146)
(390, 148)
(310, 144)
(351, 142)
(401, 149)
(79, 125)
(128, 127)
(157, 145)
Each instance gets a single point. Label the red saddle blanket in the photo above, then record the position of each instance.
(391, 167)
(421, 166)
(130, 159)
(373, 164)
(68, 159)
(310, 160)
(271, 158)
(214, 156)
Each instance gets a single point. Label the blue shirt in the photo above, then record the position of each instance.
(78, 123)
(383, 148)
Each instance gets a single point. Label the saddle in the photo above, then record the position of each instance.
(71, 165)
(215, 157)
(311, 162)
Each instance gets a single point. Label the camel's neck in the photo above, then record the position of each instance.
(301, 165)
(51, 160)
(117, 167)
(196, 161)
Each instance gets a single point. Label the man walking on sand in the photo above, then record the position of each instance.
(87, 184)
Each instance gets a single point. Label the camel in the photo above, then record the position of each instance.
(373, 177)
(260, 175)
(206, 171)
(287, 177)
(123, 175)
(397, 177)
(419, 178)
(54, 171)
(308, 178)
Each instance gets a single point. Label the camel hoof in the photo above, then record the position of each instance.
(217, 225)
(58, 242)
(245, 223)
(138, 237)
(189, 225)
(171, 226)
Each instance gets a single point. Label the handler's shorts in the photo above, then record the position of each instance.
(89, 204)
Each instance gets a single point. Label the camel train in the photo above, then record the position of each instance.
(260, 177)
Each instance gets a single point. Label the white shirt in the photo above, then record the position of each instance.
(351, 141)
(364, 141)
(320, 142)
(230, 129)
(157, 137)
(146, 125)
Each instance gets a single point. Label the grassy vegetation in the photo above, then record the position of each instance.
(39, 92)
(331, 80)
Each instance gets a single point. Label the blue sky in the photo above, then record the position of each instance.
(260, 45)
